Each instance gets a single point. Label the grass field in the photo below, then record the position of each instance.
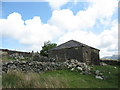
(61, 79)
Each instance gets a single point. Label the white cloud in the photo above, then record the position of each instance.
(64, 25)
(77, 26)
(63, 19)
(104, 8)
(55, 4)
(32, 33)
(12, 26)
(86, 19)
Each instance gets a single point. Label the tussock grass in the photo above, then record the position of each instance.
(61, 79)
(16, 79)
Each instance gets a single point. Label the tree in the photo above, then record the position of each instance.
(47, 46)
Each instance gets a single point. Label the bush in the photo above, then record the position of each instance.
(47, 46)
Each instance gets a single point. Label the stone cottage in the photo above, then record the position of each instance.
(75, 50)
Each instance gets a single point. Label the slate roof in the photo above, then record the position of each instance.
(69, 44)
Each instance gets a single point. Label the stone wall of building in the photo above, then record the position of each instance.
(82, 53)
(87, 55)
(95, 59)
(67, 53)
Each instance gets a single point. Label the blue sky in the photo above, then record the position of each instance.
(26, 25)
(27, 9)
(30, 9)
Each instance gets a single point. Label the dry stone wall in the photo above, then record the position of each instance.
(110, 62)
(38, 67)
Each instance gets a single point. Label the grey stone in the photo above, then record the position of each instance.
(72, 69)
(103, 64)
(79, 68)
(97, 72)
(99, 77)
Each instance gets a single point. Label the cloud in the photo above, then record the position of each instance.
(65, 19)
(30, 32)
(13, 26)
(57, 4)
(78, 26)
(64, 25)
(85, 19)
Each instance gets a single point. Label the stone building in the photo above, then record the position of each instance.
(75, 50)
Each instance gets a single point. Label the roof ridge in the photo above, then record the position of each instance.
(71, 43)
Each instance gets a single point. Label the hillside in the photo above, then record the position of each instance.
(113, 57)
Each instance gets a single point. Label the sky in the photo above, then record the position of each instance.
(25, 26)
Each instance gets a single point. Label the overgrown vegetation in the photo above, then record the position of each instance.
(47, 46)
(61, 79)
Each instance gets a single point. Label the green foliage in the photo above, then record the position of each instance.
(61, 79)
(47, 46)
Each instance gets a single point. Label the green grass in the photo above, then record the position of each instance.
(111, 72)
(61, 79)
(6, 59)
